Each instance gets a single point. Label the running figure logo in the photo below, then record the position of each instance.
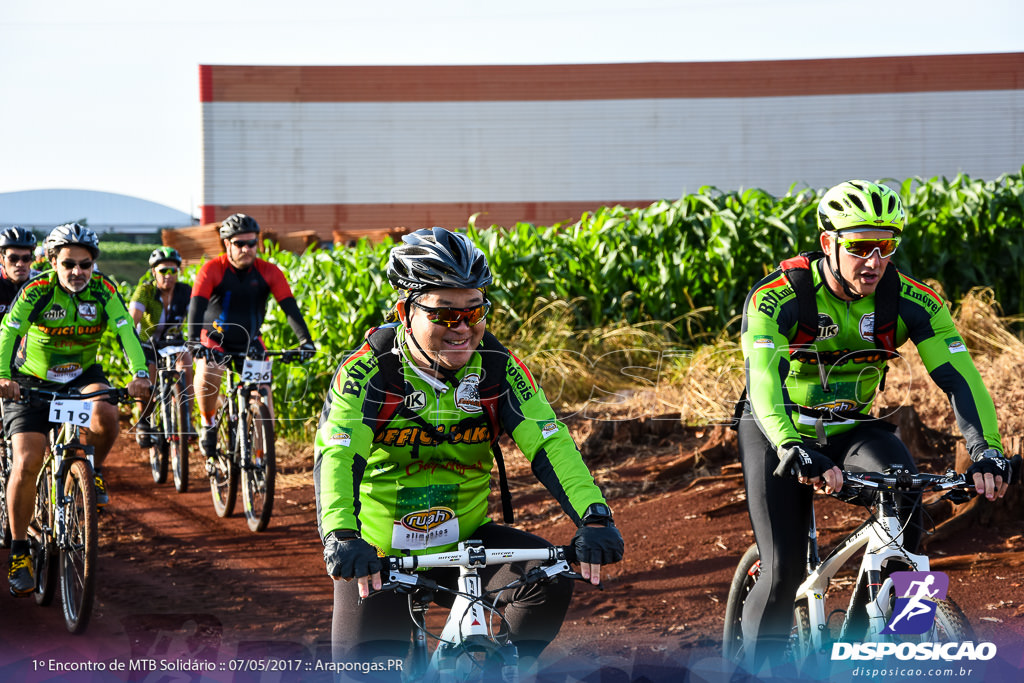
(916, 595)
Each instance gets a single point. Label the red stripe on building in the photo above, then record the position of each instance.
(205, 83)
(324, 217)
(658, 80)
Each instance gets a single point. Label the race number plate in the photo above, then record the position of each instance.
(67, 411)
(258, 371)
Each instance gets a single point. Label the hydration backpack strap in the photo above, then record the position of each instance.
(798, 271)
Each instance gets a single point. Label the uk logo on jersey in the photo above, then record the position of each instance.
(916, 596)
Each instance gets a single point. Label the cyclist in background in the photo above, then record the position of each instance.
(808, 408)
(50, 336)
(226, 312)
(16, 245)
(159, 308)
(432, 457)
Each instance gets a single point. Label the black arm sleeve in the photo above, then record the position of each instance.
(196, 311)
(295, 319)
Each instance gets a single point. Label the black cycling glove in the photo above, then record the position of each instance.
(348, 556)
(991, 462)
(598, 544)
(802, 462)
(307, 349)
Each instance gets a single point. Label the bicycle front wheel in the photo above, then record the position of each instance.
(180, 425)
(41, 546)
(79, 546)
(259, 469)
(5, 475)
(224, 471)
(743, 579)
(159, 450)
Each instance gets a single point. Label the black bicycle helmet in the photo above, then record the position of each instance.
(71, 235)
(17, 237)
(437, 258)
(161, 254)
(236, 224)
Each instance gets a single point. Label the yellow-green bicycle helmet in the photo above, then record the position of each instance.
(863, 205)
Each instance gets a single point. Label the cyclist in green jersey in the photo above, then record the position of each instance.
(417, 480)
(159, 308)
(808, 408)
(51, 335)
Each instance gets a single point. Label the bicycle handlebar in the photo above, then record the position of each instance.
(904, 481)
(286, 355)
(112, 394)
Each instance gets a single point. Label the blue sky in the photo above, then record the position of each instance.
(104, 95)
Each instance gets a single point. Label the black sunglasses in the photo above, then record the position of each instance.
(245, 243)
(83, 265)
(15, 258)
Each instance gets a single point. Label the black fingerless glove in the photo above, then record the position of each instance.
(348, 556)
(990, 461)
(799, 461)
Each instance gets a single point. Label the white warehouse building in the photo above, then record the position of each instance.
(328, 148)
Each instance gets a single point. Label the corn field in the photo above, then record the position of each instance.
(660, 263)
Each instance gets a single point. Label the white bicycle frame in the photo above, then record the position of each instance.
(468, 621)
(880, 539)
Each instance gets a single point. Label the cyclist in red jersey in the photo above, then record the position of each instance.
(226, 312)
(16, 246)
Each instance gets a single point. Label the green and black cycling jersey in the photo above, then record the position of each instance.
(838, 375)
(61, 332)
(158, 321)
(401, 486)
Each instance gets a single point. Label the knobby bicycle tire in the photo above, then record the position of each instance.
(743, 580)
(178, 437)
(224, 478)
(5, 475)
(260, 467)
(158, 452)
(79, 550)
(41, 546)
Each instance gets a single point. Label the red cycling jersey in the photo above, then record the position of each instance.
(228, 305)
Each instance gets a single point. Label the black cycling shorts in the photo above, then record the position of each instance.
(19, 417)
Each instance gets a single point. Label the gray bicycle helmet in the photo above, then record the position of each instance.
(161, 254)
(437, 258)
(70, 235)
(17, 237)
(236, 224)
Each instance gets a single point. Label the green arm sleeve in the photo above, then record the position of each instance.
(341, 448)
(950, 365)
(119, 321)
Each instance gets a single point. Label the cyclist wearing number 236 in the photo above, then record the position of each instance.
(406, 447)
(60, 316)
(811, 384)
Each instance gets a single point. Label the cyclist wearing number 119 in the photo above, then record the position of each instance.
(812, 382)
(403, 455)
(61, 316)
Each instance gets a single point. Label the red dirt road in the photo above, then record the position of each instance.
(181, 589)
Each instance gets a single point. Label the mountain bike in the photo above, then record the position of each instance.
(871, 605)
(474, 642)
(171, 419)
(63, 533)
(245, 444)
(6, 462)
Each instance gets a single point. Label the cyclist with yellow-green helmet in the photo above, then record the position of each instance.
(812, 380)
(159, 308)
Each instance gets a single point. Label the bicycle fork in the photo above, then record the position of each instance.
(471, 633)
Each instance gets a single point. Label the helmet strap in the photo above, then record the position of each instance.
(837, 272)
(435, 363)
